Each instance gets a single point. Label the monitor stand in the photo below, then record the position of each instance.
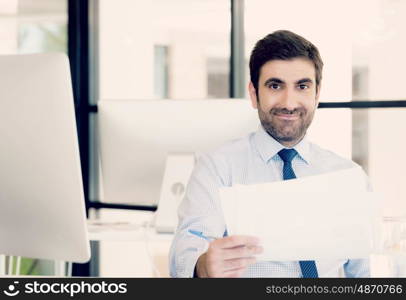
(178, 168)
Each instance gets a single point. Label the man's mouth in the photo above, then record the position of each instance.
(287, 116)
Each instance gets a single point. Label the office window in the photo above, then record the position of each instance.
(141, 41)
(28, 26)
(319, 21)
(372, 38)
(386, 158)
(42, 37)
(161, 79)
(218, 77)
(378, 47)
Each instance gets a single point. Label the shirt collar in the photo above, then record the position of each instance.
(268, 147)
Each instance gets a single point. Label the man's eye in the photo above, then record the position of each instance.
(303, 86)
(274, 86)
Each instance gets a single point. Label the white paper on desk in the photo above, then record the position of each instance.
(328, 216)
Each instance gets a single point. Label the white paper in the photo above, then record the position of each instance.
(328, 216)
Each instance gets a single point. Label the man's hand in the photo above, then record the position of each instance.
(228, 257)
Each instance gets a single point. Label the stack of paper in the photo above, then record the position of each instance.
(328, 216)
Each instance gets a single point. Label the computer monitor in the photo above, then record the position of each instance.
(42, 211)
(141, 140)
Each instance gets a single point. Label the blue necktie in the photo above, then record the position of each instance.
(308, 267)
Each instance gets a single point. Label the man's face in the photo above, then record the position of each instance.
(287, 98)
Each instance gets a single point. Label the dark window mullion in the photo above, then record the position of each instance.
(78, 52)
(364, 104)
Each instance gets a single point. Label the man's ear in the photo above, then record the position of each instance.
(253, 95)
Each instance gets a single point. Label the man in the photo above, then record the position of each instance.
(286, 72)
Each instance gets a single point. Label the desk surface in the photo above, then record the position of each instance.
(130, 249)
(100, 230)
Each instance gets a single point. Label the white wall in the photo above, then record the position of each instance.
(8, 27)
(383, 46)
(125, 49)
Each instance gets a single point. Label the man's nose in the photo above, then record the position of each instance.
(288, 100)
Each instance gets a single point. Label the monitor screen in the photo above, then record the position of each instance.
(136, 137)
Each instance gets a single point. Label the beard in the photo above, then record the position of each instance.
(286, 131)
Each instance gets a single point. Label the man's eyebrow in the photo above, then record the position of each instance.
(304, 80)
(273, 80)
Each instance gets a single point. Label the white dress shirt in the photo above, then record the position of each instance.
(250, 160)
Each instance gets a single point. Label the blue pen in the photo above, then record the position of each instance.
(200, 234)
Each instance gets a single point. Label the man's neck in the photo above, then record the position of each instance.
(287, 144)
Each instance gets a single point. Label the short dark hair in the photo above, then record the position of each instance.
(285, 45)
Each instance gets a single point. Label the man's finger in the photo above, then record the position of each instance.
(238, 263)
(234, 272)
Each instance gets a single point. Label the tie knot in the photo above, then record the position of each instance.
(287, 154)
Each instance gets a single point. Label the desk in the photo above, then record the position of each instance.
(123, 249)
(126, 246)
(129, 246)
